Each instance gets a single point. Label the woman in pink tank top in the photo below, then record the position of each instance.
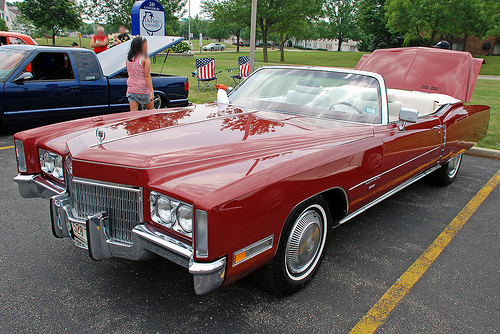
(139, 84)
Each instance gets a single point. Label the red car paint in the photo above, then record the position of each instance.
(425, 70)
(249, 168)
(7, 37)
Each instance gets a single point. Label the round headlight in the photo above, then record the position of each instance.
(58, 167)
(164, 209)
(185, 217)
(48, 163)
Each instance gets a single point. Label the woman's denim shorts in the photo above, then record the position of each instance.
(142, 99)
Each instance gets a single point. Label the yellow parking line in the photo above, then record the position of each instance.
(6, 147)
(377, 315)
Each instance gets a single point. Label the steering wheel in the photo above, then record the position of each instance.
(350, 105)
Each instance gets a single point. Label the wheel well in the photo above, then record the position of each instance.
(164, 97)
(338, 203)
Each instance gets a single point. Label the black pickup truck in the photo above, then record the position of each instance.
(42, 85)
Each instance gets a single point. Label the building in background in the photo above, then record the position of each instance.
(477, 46)
(5, 13)
(326, 44)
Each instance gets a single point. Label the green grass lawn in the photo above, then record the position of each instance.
(488, 92)
(492, 66)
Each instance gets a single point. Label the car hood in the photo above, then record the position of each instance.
(429, 70)
(113, 61)
(206, 135)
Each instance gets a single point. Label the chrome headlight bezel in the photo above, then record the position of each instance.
(51, 164)
(165, 211)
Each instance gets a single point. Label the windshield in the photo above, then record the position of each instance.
(9, 59)
(317, 93)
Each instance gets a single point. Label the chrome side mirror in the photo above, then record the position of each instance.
(23, 77)
(407, 115)
(229, 89)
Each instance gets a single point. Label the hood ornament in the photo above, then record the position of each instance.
(100, 134)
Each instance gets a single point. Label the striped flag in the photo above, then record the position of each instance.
(205, 67)
(244, 65)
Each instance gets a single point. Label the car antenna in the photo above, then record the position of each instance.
(164, 61)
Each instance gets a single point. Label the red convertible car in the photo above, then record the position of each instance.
(255, 185)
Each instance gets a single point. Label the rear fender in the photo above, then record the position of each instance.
(465, 127)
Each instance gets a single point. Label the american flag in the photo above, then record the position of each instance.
(244, 65)
(205, 67)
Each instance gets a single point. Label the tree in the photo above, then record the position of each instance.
(427, 20)
(53, 15)
(232, 14)
(342, 18)
(492, 10)
(275, 16)
(117, 12)
(372, 21)
(3, 25)
(198, 25)
(218, 31)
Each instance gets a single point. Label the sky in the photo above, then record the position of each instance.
(195, 7)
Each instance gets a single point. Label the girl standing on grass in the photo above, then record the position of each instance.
(139, 84)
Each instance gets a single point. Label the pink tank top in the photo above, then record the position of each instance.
(136, 82)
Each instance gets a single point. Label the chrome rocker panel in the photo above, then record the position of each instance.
(148, 241)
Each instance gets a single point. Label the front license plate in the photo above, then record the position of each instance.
(80, 234)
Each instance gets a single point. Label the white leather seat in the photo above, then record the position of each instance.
(423, 102)
(394, 107)
(303, 94)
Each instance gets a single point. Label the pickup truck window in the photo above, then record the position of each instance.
(9, 59)
(50, 66)
(87, 66)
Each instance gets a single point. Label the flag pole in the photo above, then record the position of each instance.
(253, 24)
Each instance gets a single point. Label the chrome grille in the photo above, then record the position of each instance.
(122, 204)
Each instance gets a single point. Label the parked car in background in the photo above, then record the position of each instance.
(42, 85)
(256, 185)
(214, 47)
(7, 38)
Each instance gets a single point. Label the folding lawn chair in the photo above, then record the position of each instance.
(205, 73)
(243, 69)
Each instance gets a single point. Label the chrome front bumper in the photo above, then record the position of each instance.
(148, 241)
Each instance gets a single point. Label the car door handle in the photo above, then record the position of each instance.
(437, 128)
(75, 89)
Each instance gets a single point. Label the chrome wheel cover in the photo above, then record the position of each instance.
(306, 242)
(157, 102)
(453, 165)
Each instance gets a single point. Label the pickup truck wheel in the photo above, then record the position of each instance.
(212, 49)
(445, 175)
(159, 102)
(300, 251)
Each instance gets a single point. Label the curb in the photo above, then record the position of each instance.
(484, 153)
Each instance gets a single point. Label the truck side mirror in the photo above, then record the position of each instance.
(23, 77)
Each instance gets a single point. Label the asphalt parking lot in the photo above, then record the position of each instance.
(48, 285)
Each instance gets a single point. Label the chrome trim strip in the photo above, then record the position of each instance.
(207, 276)
(106, 184)
(389, 193)
(393, 168)
(254, 250)
(36, 186)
